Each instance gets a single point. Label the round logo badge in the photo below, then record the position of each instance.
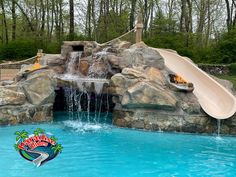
(38, 147)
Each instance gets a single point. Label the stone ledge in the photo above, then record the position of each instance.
(172, 122)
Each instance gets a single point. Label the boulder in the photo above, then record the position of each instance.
(145, 95)
(39, 87)
(6, 82)
(120, 83)
(133, 73)
(83, 66)
(11, 97)
(99, 69)
(124, 45)
(113, 60)
(141, 57)
(139, 45)
(188, 102)
(156, 76)
(52, 60)
(58, 69)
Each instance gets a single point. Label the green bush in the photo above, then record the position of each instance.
(232, 69)
(17, 50)
(23, 49)
(226, 49)
(53, 47)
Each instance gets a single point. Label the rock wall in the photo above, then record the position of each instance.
(29, 99)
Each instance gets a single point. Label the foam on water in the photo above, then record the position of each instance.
(79, 126)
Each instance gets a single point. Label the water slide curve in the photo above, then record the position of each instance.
(214, 99)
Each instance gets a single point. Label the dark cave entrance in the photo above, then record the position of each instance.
(103, 100)
(78, 48)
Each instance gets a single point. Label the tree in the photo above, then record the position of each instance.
(4, 20)
(16, 147)
(53, 138)
(13, 13)
(231, 14)
(57, 148)
(38, 131)
(132, 13)
(21, 136)
(72, 30)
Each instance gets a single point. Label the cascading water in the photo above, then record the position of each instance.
(80, 101)
(72, 63)
(218, 127)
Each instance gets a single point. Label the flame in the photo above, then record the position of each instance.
(35, 66)
(179, 79)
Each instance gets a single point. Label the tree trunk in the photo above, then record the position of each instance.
(4, 20)
(93, 18)
(88, 19)
(229, 19)
(52, 19)
(43, 18)
(13, 13)
(182, 16)
(61, 21)
(132, 11)
(36, 15)
(48, 20)
(71, 30)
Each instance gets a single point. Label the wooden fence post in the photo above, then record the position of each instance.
(139, 28)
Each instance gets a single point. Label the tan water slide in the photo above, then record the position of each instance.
(214, 99)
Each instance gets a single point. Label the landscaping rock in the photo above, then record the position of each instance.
(52, 60)
(145, 95)
(25, 114)
(39, 87)
(11, 97)
(83, 66)
(141, 57)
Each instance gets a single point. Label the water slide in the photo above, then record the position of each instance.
(214, 99)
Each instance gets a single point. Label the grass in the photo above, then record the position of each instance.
(231, 78)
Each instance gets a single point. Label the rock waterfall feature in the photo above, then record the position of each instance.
(131, 81)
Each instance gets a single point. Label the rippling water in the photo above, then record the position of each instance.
(102, 150)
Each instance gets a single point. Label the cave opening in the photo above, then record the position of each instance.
(78, 48)
(102, 102)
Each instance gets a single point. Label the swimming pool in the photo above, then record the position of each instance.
(106, 151)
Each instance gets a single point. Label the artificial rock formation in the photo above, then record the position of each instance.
(145, 100)
(28, 100)
(139, 84)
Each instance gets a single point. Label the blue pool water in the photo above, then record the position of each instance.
(103, 150)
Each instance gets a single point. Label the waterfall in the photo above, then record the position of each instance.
(75, 97)
(218, 127)
(72, 62)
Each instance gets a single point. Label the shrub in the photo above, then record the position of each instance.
(17, 50)
(232, 68)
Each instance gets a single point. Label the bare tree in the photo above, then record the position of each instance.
(132, 12)
(231, 14)
(13, 14)
(71, 30)
(4, 19)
